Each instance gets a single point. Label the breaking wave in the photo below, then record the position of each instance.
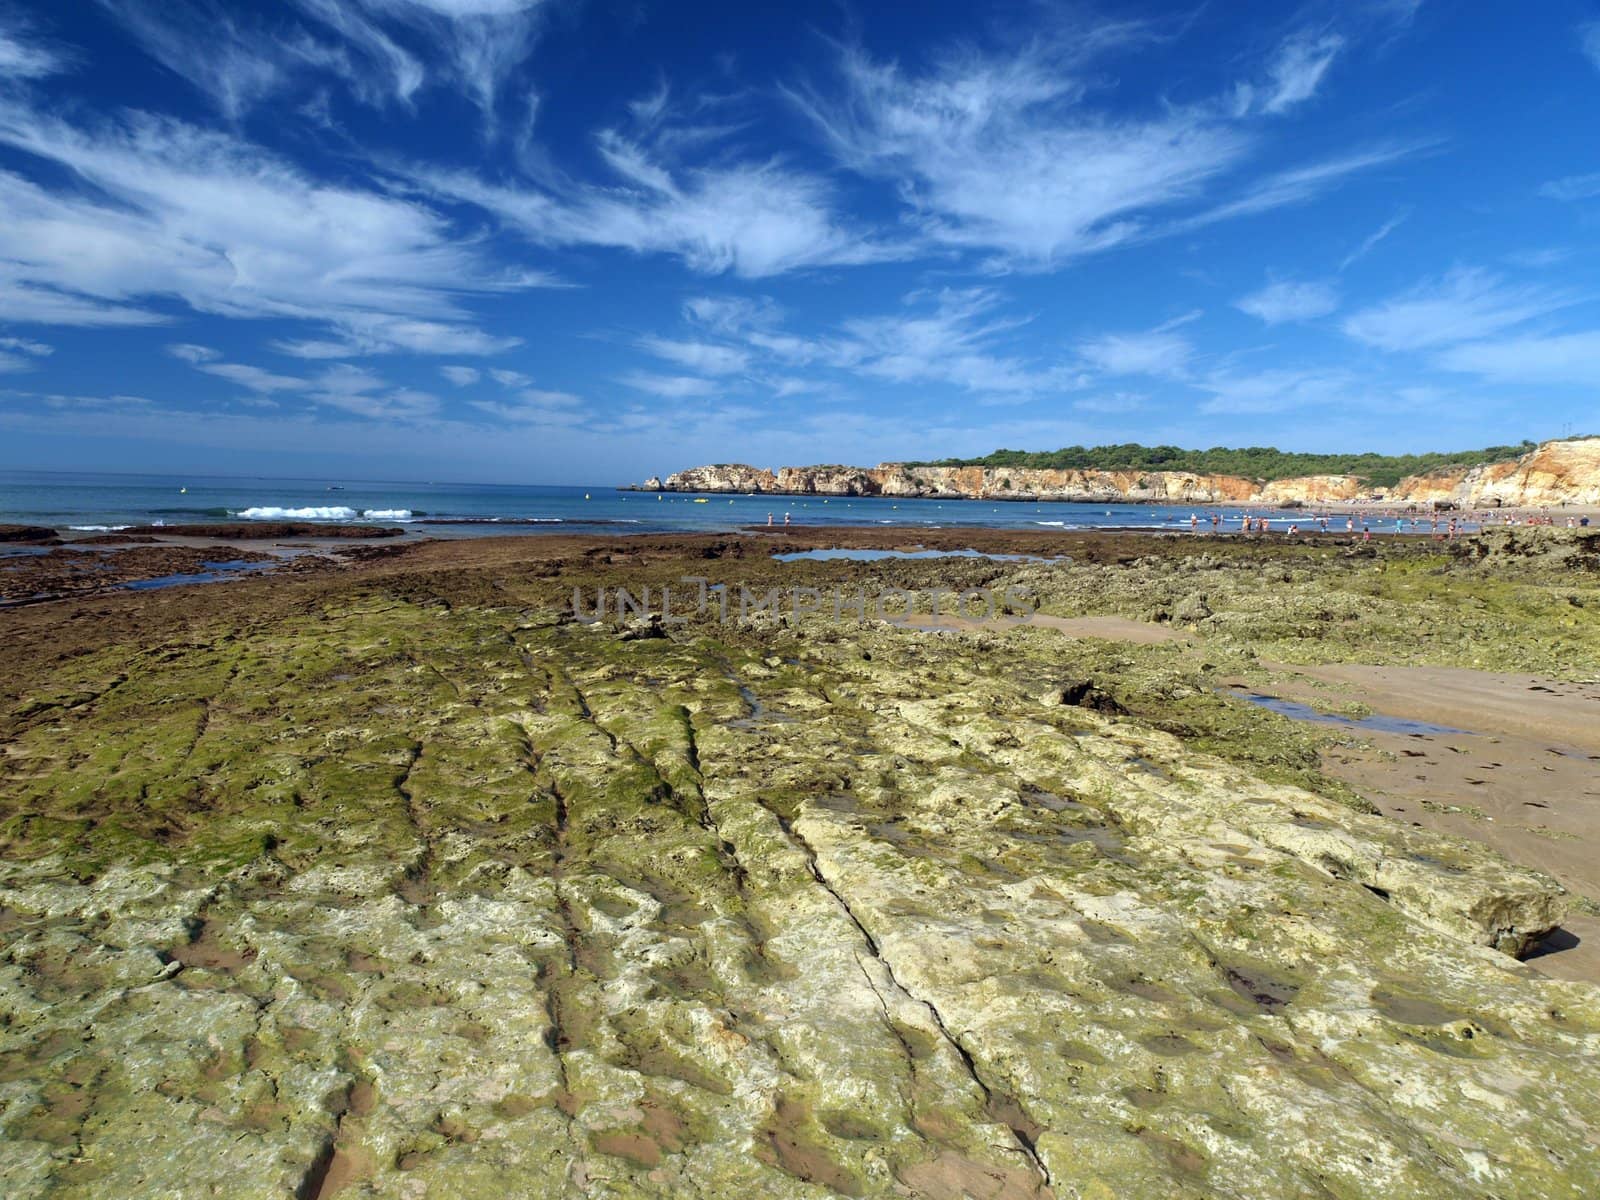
(387, 514)
(331, 512)
(97, 528)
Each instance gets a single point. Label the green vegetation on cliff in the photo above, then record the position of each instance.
(1251, 462)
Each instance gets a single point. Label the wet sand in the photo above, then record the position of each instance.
(1523, 777)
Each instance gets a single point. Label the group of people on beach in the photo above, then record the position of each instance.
(1250, 523)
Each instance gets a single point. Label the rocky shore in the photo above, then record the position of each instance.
(392, 877)
(1565, 473)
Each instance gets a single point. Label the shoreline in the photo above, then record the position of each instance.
(103, 564)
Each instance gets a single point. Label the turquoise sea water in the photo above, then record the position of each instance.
(93, 501)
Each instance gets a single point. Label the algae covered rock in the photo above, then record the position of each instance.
(403, 902)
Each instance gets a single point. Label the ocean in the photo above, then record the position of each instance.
(100, 502)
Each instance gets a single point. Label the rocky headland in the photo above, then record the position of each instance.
(1555, 473)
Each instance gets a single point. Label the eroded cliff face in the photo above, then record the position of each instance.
(1556, 473)
(1000, 483)
(721, 477)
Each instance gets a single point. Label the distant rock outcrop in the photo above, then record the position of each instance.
(1554, 473)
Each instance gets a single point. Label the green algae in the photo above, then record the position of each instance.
(482, 901)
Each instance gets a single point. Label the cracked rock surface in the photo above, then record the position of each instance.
(400, 900)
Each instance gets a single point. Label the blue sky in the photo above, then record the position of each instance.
(562, 242)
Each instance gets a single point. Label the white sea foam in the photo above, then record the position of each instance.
(97, 528)
(1057, 524)
(267, 512)
(387, 514)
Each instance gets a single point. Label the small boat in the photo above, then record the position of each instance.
(701, 500)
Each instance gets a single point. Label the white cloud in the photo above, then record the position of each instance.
(25, 57)
(752, 219)
(672, 387)
(461, 376)
(952, 336)
(27, 346)
(253, 378)
(28, 302)
(999, 152)
(1572, 358)
(535, 407)
(191, 353)
(1152, 353)
(1298, 184)
(1370, 242)
(1280, 390)
(1572, 187)
(1286, 300)
(509, 379)
(1112, 402)
(402, 404)
(1295, 74)
(363, 334)
(240, 61)
(704, 357)
(228, 229)
(1589, 41)
(235, 65)
(1464, 305)
(954, 342)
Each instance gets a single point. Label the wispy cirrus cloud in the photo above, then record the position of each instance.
(191, 353)
(1000, 152)
(1561, 359)
(1156, 353)
(1370, 242)
(1296, 185)
(174, 212)
(705, 357)
(669, 387)
(1572, 187)
(26, 346)
(254, 379)
(1276, 390)
(954, 337)
(1589, 41)
(1461, 306)
(23, 55)
(1293, 76)
(1289, 300)
(381, 51)
(534, 406)
(753, 219)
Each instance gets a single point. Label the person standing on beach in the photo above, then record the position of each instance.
(769, 520)
(786, 520)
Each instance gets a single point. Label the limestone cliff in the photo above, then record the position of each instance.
(1555, 473)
